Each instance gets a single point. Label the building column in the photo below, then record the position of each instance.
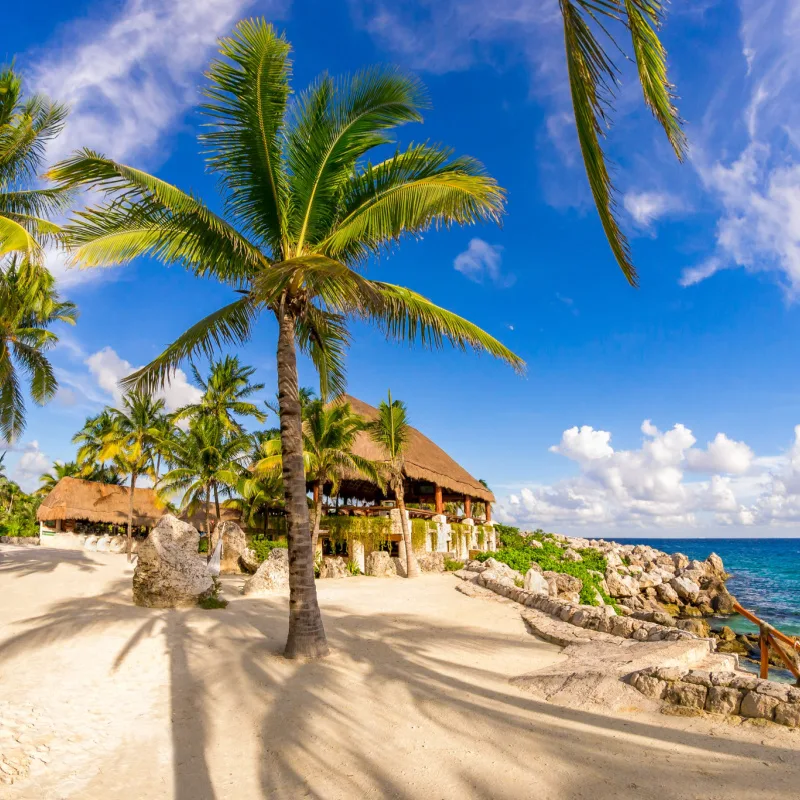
(357, 554)
(439, 503)
(468, 507)
(488, 511)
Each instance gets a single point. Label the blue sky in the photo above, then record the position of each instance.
(609, 431)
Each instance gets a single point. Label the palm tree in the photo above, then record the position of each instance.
(391, 431)
(258, 494)
(328, 438)
(131, 442)
(592, 80)
(204, 460)
(29, 307)
(26, 126)
(224, 395)
(91, 439)
(59, 470)
(304, 209)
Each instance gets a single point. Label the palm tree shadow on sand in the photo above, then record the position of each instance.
(334, 727)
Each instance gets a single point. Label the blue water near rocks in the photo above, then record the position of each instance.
(765, 575)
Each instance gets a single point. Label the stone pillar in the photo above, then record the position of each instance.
(438, 501)
(358, 554)
(442, 533)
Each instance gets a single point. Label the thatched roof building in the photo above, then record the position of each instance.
(432, 475)
(92, 501)
(74, 499)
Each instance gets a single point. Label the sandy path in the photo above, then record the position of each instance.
(413, 703)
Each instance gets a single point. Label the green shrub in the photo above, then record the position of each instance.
(214, 600)
(202, 547)
(353, 568)
(451, 565)
(263, 547)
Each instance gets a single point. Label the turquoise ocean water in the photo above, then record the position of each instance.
(765, 575)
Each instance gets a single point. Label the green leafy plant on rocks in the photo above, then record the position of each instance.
(516, 551)
(451, 565)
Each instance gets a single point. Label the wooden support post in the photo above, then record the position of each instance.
(316, 493)
(488, 511)
(763, 644)
(468, 507)
(437, 499)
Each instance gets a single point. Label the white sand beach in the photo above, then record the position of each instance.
(414, 702)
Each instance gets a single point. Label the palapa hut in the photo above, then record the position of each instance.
(76, 507)
(432, 477)
(432, 480)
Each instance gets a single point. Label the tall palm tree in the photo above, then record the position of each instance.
(390, 430)
(131, 442)
(257, 495)
(26, 126)
(304, 209)
(203, 460)
(29, 307)
(328, 437)
(59, 470)
(91, 440)
(225, 395)
(593, 77)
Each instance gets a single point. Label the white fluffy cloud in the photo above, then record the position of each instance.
(758, 188)
(30, 465)
(108, 369)
(481, 261)
(647, 208)
(667, 482)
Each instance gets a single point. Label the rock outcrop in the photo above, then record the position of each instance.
(271, 576)
(380, 565)
(333, 567)
(236, 556)
(169, 573)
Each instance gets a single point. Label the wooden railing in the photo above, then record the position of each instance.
(770, 637)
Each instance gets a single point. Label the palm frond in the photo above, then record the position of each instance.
(407, 316)
(335, 123)
(249, 88)
(230, 325)
(323, 336)
(417, 188)
(592, 77)
(645, 17)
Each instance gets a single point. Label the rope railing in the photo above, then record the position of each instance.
(770, 637)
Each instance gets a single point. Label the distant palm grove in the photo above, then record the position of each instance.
(314, 187)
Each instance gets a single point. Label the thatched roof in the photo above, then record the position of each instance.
(424, 460)
(74, 498)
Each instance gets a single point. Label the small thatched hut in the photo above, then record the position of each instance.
(432, 476)
(74, 504)
(79, 506)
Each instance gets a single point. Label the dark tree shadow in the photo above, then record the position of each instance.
(33, 560)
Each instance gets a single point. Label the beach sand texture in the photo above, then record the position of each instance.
(414, 702)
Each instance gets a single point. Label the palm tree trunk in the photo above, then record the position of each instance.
(216, 501)
(130, 517)
(317, 519)
(208, 532)
(412, 568)
(306, 632)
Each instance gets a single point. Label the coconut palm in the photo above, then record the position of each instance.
(132, 441)
(257, 495)
(26, 126)
(225, 395)
(390, 430)
(304, 209)
(329, 433)
(91, 440)
(203, 460)
(59, 470)
(29, 306)
(593, 77)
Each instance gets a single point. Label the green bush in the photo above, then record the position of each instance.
(353, 568)
(263, 547)
(203, 546)
(550, 557)
(451, 565)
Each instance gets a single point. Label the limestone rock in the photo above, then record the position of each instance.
(169, 573)
(502, 570)
(620, 585)
(333, 567)
(535, 582)
(379, 564)
(723, 602)
(271, 576)
(788, 714)
(685, 589)
(119, 544)
(90, 543)
(715, 566)
(697, 626)
(680, 560)
(103, 544)
(758, 706)
(722, 700)
(248, 561)
(432, 562)
(572, 555)
(689, 695)
(667, 594)
(234, 544)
